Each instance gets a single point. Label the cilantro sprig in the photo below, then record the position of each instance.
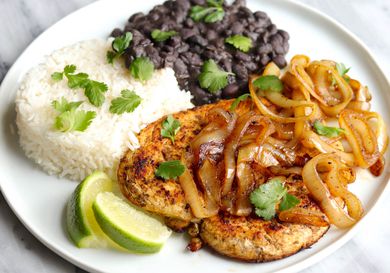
(93, 89)
(170, 169)
(119, 45)
(237, 101)
(326, 130)
(240, 42)
(212, 13)
(212, 77)
(71, 119)
(127, 102)
(161, 36)
(268, 195)
(269, 83)
(142, 69)
(343, 70)
(170, 127)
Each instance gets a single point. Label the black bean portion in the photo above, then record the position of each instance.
(197, 42)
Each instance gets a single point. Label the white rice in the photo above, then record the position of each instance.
(76, 154)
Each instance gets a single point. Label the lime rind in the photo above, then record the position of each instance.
(127, 237)
(80, 221)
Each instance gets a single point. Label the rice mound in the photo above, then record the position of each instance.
(76, 154)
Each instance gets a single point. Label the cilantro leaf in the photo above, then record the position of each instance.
(79, 80)
(240, 42)
(269, 83)
(119, 45)
(212, 77)
(268, 195)
(142, 69)
(160, 36)
(170, 127)
(215, 16)
(94, 92)
(69, 119)
(237, 101)
(327, 131)
(170, 169)
(128, 101)
(63, 105)
(215, 3)
(289, 201)
(57, 76)
(69, 69)
(342, 69)
(74, 120)
(111, 55)
(212, 13)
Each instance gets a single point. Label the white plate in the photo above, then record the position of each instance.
(39, 200)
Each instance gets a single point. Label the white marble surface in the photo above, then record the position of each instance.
(22, 20)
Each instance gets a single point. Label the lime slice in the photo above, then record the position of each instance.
(129, 227)
(80, 220)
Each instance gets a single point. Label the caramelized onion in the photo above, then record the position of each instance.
(330, 103)
(312, 140)
(267, 112)
(303, 216)
(323, 196)
(231, 144)
(360, 136)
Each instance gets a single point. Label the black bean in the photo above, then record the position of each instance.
(186, 33)
(230, 91)
(280, 61)
(261, 15)
(211, 35)
(116, 33)
(237, 28)
(197, 42)
(242, 56)
(264, 49)
(136, 16)
(180, 68)
(198, 2)
(264, 59)
(240, 71)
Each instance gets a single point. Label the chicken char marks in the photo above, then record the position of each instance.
(246, 238)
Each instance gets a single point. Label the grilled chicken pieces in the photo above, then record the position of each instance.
(245, 238)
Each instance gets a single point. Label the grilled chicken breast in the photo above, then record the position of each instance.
(245, 238)
(136, 170)
(253, 239)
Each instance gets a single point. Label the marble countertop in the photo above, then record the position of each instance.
(22, 20)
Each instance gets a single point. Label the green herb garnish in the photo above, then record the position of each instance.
(212, 13)
(160, 36)
(269, 83)
(237, 101)
(327, 131)
(142, 69)
(93, 89)
(240, 42)
(212, 77)
(119, 45)
(170, 169)
(70, 119)
(268, 195)
(342, 70)
(128, 101)
(170, 127)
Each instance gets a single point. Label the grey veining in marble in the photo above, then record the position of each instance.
(22, 20)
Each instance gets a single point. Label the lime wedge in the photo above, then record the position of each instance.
(80, 220)
(129, 227)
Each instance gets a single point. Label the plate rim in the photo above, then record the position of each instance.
(301, 265)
